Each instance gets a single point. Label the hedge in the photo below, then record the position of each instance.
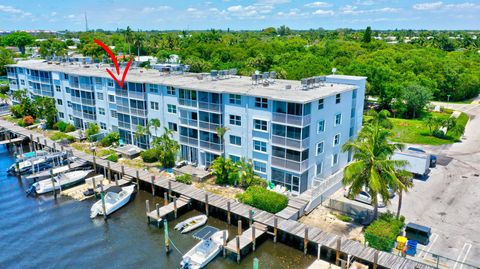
(264, 199)
(113, 157)
(184, 178)
(62, 136)
(382, 233)
(149, 155)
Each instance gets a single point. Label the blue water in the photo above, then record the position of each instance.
(41, 232)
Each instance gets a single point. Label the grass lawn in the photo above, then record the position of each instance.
(416, 132)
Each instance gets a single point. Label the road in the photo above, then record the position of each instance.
(449, 200)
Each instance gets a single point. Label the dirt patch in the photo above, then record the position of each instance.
(228, 192)
(325, 220)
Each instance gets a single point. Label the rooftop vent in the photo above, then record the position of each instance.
(232, 72)
(288, 87)
(304, 83)
(214, 74)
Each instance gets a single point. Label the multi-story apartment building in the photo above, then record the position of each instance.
(293, 131)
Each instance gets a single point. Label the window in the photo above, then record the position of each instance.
(172, 126)
(110, 83)
(172, 109)
(260, 125)
(235, 140)
(319, 168)
(319, 148)
(59, 102)
(261, 102)
(320, 104)
(171, 90)
(235, 99)
(154, 105)
(111, 98)
(22, 82)
(99, 96)
(114, 114)
(335, 159)
(259, 167)
(69, 104)
(61, 115)
(236, 120)
(338, 119)
(338, 98)
(260, 146)
(103, 126)
(101, 111)
(153, 88)
(57, 88)
(234, 158)
(320, 126)
(336, 140)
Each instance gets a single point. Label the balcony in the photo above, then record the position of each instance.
(138, 112)
(210, 107)
(189, 122)
(39, 79)
(77, 113)
(289, 164)
(88, 102)
(189, 140)
(209, 126)
(124, 125)
(89, 116)
(291, 119)
(121, 92)
(187, 102)
(217, 148)
(136, 95)
(289, 142)
(12, 75)
(86, 86)
(123, 109)
(75, 99)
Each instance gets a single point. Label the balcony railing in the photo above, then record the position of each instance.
(77, 113)
(89, 116)
(189, 122)
(125, 125)
(289, 164)
(86, 86)
(189, 140)
(39, 79)
(123, 109)
(138, 112)
(76, 99)
(187, 102)
(211, 146)
(209, 125)
(136, 95)
(89, 102)
(11, 74)
(121, 92)
(210, 106)
(291, 119)
(289, 142)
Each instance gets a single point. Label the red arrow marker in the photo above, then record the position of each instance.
(114, 60)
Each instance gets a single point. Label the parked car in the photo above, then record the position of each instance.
(433, 158)
(364, 197)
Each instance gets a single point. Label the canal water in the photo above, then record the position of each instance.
(41, 232)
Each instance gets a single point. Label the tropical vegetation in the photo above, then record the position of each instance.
(382, 233)
(263, 199)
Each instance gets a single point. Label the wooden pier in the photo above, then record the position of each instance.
(160, 212)
(282, 226)
(243, 241)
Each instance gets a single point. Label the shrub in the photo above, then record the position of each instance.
(113, 157)
(438, 133)
(149, 155)
(61, 125)
(62, 136)
(28, 120)
(17, 111)
(69, 128)
(382, 233)
(21, 123)
(110, 138)
(185, 178)
(343, 217)
(105, 152)
(264, 199)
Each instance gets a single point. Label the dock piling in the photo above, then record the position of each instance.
(116, 180)
(153, 185)
(53, 184)
(102, 195)
(157, 208)
(123, 171)
(165, 199)
(169, 189)
(238, 248)
(375, 260)
(228, 213)
(175, 206)
(167, 240)
(239, 227)
(137, 173)
(224, 243)
(94, 187)
(253, 237)
(147, 206)
(275, 222)
(206, 204)
(319, 250)
(339, 245)
(94, 163)
(109, 172)
(250, 219)
(305, 241)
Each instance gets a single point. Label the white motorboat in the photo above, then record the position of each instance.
(38, 163)
(30, 155)
(204, 252)
(61, 181)
(115, 199)
(191, 223)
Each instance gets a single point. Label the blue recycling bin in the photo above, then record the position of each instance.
(412, 247)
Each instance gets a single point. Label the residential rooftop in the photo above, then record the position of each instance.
(280, 89)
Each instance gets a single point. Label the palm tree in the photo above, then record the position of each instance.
(4, 98)
(138, 38)
(155, 123)
(221, 134)
(245, 172)
(405, 179)
(372, 167)
(450, 124)
(380, 119)
(432, 123)
(128, 38)
(140, 131)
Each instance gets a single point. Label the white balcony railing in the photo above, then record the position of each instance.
(187, 102)
(210, 106)
(290, 142)
(189, 140)
(209, 126)
(289, 164)
(291, 119)
(189, 122)
(211, 146)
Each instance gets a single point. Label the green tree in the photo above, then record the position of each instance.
(224, 170)
(415, 98)
(367, 35)
(405, 178)
(155, 123)
(140, 131)
(372, 169)
(19, 39)
(92, 130)
(221, 134)
(6, 57)
(46, 109)
(380, 119)
(166, 147)
(433, 123)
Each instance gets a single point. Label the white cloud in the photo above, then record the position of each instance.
(428, 6)
(353, 10)
(255, 10)
(318, 4)
(191, 9)
(322, 12)
(53, 13)
(273, 2)
(13, 10)
(155, 9)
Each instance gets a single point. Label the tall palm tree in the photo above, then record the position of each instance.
(128, 38)
(155, 123)
(372, 168)
(140, 131)
(221, 134)
(405, 179)
(380, 119)
(138, 39)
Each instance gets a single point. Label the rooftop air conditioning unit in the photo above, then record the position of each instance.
(304, 83)
(214, 74)
(288, 87)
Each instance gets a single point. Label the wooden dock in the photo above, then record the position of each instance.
(283, 223)
(246, 239)
(160, 212)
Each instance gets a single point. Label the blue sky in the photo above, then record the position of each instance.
(242, 14)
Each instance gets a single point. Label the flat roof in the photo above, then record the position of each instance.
(235, 84)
